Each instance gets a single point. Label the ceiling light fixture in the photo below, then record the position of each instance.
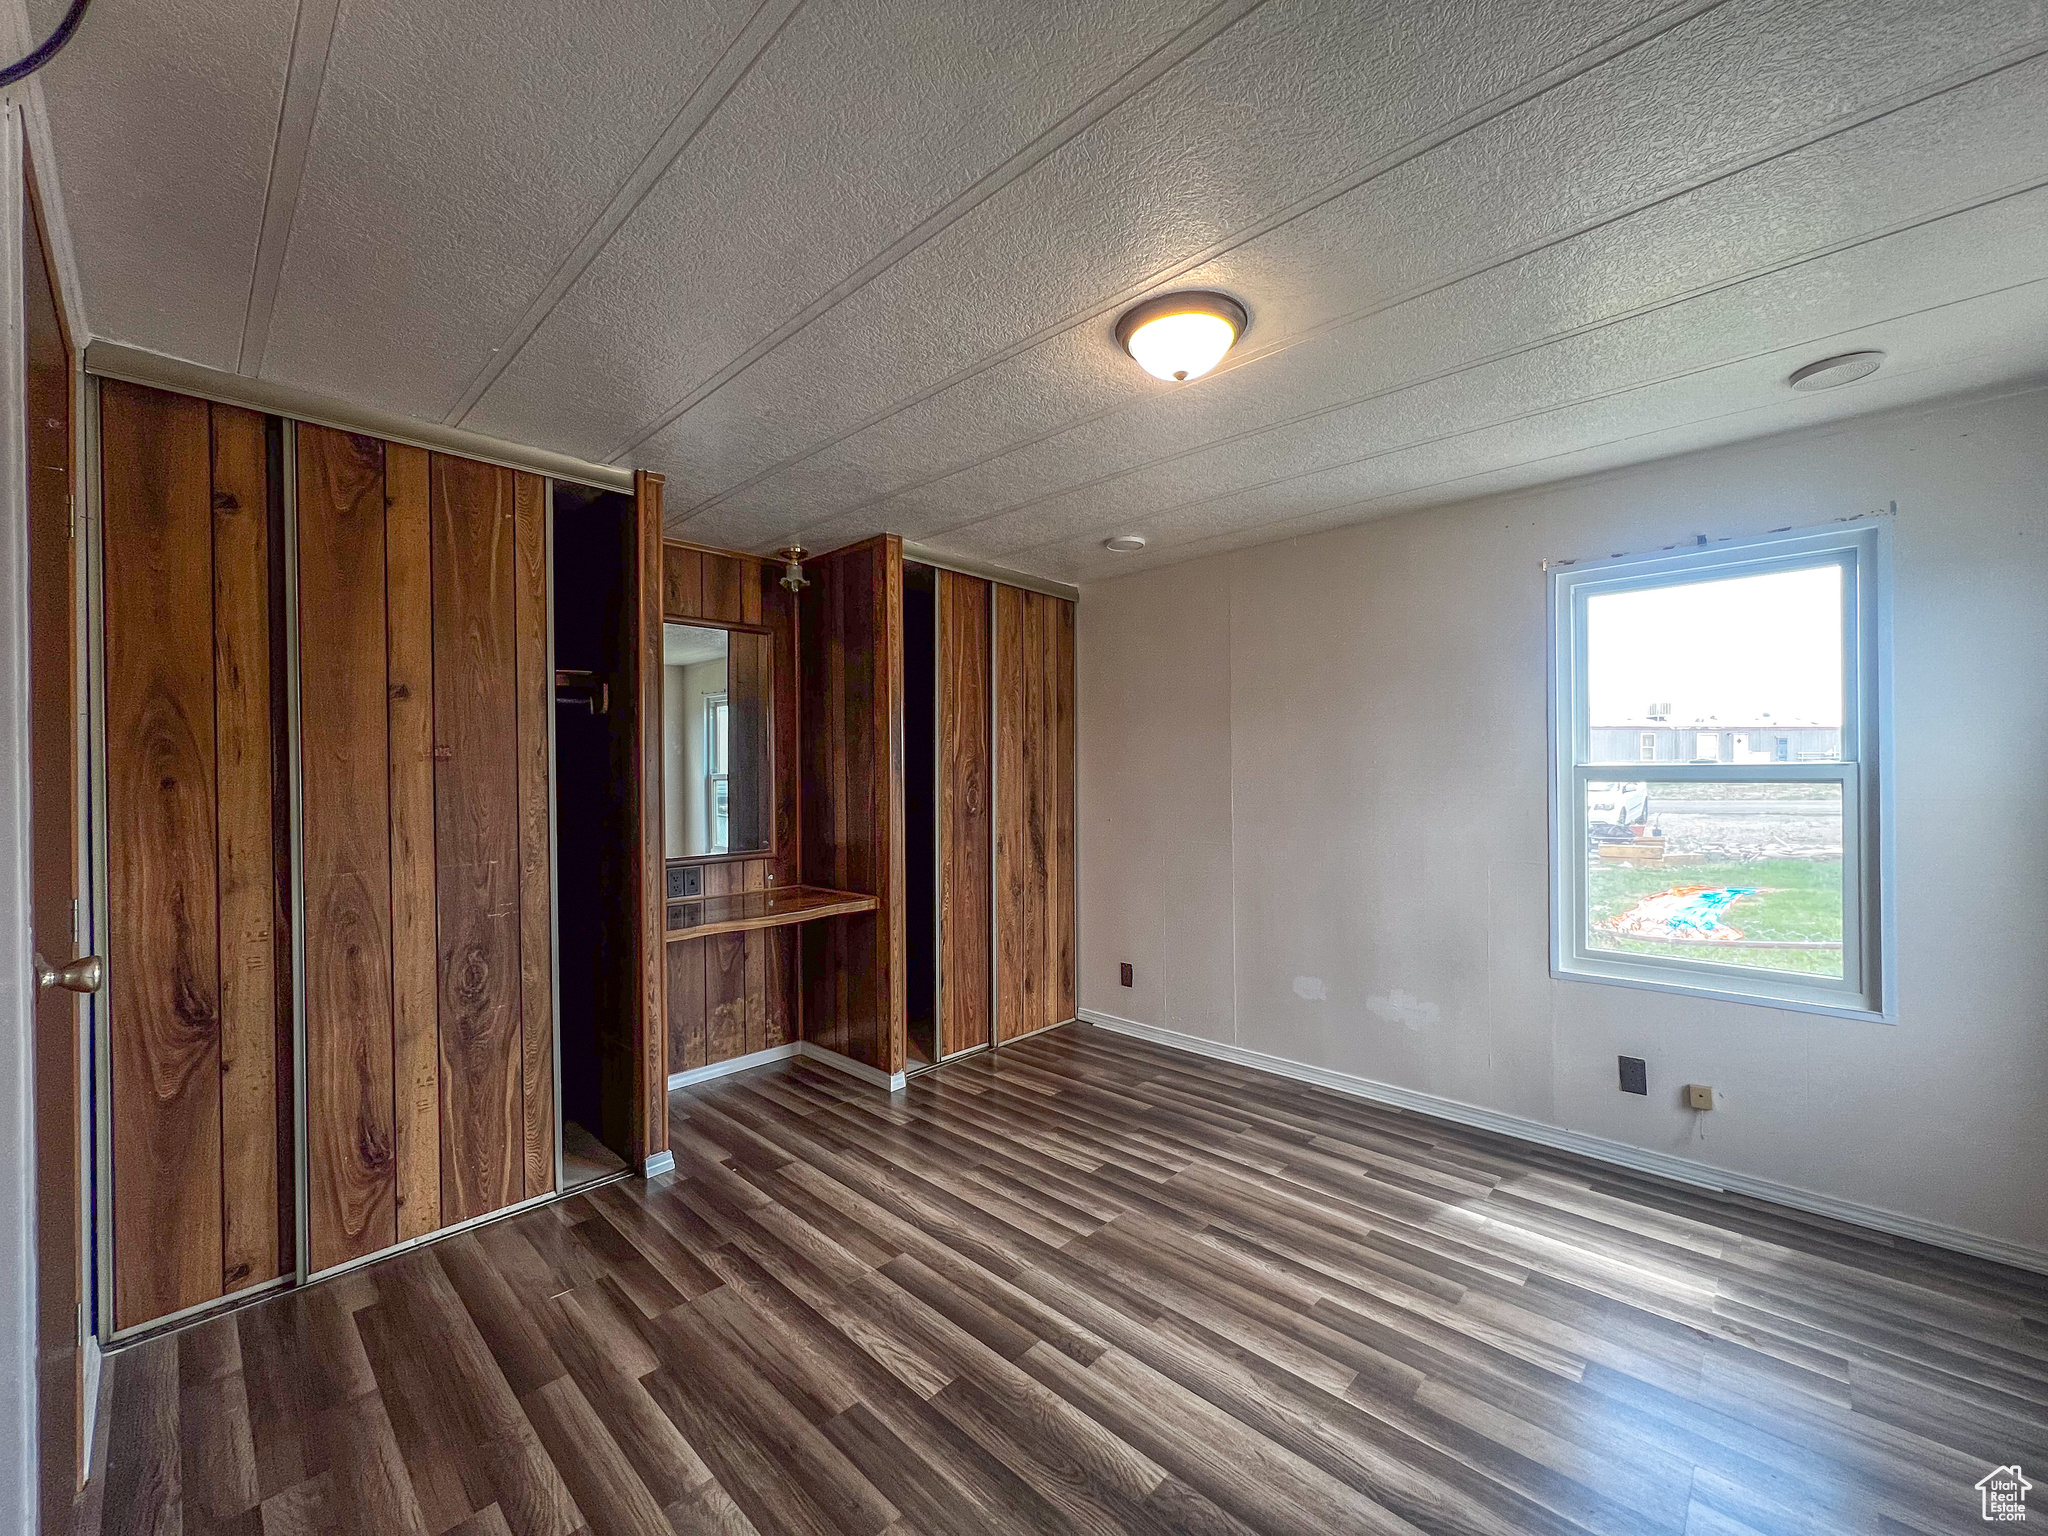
(1181, 336)
(1830, 371)
(793, 576)
(1125, 543)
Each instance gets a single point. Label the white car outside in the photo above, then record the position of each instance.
(1613, 811)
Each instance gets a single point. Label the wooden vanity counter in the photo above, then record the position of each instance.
(700, 917)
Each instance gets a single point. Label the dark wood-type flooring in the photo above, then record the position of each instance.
(1092, 1285)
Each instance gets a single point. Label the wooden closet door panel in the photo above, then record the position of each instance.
(1034, 797)
(415, 954)
(778, 607)
(535, 682)
(1037, 822)
(476, 839)
(1012, 852)
(853, 996)
(163, 955)
(1065, 873)
(641, 685)
(892, 920)
(252, 1243)
(966, 830)
(345, 841)
(859, 594)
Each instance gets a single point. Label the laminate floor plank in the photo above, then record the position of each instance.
(1085, 1283)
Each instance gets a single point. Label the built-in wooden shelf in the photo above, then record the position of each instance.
(700, 917)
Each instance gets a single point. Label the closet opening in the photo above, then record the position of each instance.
(921, 814)
(597, 837)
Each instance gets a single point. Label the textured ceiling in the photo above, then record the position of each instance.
(843, 267)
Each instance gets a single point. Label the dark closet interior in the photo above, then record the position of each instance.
(597, 851)
(921, 814)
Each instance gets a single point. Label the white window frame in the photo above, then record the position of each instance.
(714, 781)
(1867, 988)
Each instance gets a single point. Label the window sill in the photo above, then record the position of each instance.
(1721, 994)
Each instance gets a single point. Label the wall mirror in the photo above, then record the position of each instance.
(716, 773)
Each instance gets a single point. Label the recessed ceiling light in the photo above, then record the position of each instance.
(1830, 371)
(1181, 336)
(1125, 543)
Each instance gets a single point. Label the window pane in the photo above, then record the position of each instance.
(1746, 669)
(716, 721)
(1729, 874)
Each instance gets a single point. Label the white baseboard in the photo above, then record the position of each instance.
(893, 1081)
(1641, 1159)
(803, 1048)
(738, 1064)
(658, 1163)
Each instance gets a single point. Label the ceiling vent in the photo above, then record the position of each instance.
(1830, 371)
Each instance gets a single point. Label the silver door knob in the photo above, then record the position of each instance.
(81, 975)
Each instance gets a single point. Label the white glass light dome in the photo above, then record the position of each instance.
(1181, 336)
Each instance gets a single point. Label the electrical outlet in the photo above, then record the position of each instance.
(1635, 1075)
(1699, 1096)
(1124, 973)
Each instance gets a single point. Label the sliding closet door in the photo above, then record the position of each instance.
(345, 843)
(424, 704)
(853, 974)
(198, 1043)
(476, 840)
(966, 916)
(1034, 804)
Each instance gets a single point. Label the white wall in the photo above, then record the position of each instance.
(1313, 817)
(686, 815)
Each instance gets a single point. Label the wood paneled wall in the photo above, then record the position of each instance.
(851, 712)
(1034, 811)
(966, 917)
(424, 708)
(733, 994)
(346, 789)
(200, 1059)
(649, 1024)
